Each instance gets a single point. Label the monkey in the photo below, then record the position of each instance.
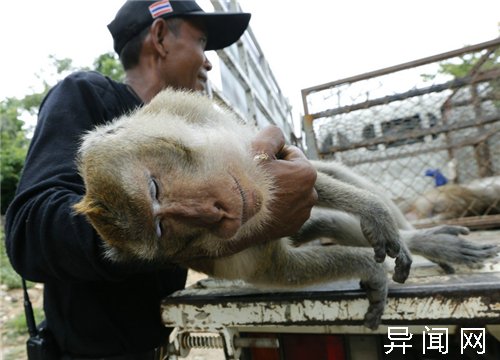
(176, 181)
(453, 201)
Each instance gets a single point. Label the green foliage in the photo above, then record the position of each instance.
(463, 66)
(8, 276)
(467, 62)
(17, 325)
(14, 137)
(13, 149)
(62, 65)
(109, 65)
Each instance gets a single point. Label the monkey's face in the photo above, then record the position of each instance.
(198, 208)
(164, 199)
(175, 181)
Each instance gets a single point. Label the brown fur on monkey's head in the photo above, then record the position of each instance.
(109, 204)
(185, 143)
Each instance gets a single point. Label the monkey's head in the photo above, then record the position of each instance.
(172, 181)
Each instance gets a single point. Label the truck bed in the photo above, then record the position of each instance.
(465, 298)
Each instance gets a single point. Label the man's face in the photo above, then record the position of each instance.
(186, 65)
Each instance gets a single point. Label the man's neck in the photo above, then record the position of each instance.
(142, 84)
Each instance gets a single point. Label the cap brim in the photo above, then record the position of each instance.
(223, 29)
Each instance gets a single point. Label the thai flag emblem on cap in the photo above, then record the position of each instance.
(159, 8)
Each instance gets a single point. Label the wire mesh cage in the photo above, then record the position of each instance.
(426, 131)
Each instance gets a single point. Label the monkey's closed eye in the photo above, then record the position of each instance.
(158, 228)
(153, 188)
(154, 191)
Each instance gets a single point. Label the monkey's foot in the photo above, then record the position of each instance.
(444, 246)
(376, 292)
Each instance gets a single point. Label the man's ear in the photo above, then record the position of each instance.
(160, 36)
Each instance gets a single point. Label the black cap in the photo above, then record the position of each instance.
(223, 28)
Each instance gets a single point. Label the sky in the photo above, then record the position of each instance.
(306, 43)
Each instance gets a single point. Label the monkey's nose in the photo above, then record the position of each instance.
(211, 216)
(197, 214)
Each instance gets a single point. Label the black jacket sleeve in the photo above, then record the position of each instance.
(44, 238)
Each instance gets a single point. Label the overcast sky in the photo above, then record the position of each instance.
(305, 42)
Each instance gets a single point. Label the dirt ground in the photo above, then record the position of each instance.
(13, 332)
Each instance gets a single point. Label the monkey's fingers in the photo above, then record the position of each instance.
(403, 266)
(478, 254)
(376, 292)
(447, 268)
(452, 250)
(379, 228)
(449, 229)
(473, 259)
(393, 248)
(383, 239)
(386, 244)
(380, 253)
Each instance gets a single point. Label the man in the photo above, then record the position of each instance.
(94, 308)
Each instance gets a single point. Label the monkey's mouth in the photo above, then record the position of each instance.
(250, 203)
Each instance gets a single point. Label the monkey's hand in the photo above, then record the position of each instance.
(380, 230)
(443, 245)
(376, 291)
(377, 225)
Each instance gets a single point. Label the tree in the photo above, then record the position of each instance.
(462, 67)
(15, 136)
(13, 149)
(109, 65)
(482, 94)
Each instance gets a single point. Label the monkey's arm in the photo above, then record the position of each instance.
(376, 221)
(441, 244)
(278, 264)
(347, 175)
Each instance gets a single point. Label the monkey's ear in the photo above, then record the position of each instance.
(87, 207)
(100, 217)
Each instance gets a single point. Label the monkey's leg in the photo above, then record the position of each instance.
(443, 245)
(376, 221)
(342, 227)
(294, 267)
(278, 264)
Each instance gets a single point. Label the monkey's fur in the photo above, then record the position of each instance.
(175, 181)
(453, 201)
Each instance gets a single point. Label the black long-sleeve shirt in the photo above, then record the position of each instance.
(93, 307)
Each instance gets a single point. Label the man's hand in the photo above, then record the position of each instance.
(294, 193)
